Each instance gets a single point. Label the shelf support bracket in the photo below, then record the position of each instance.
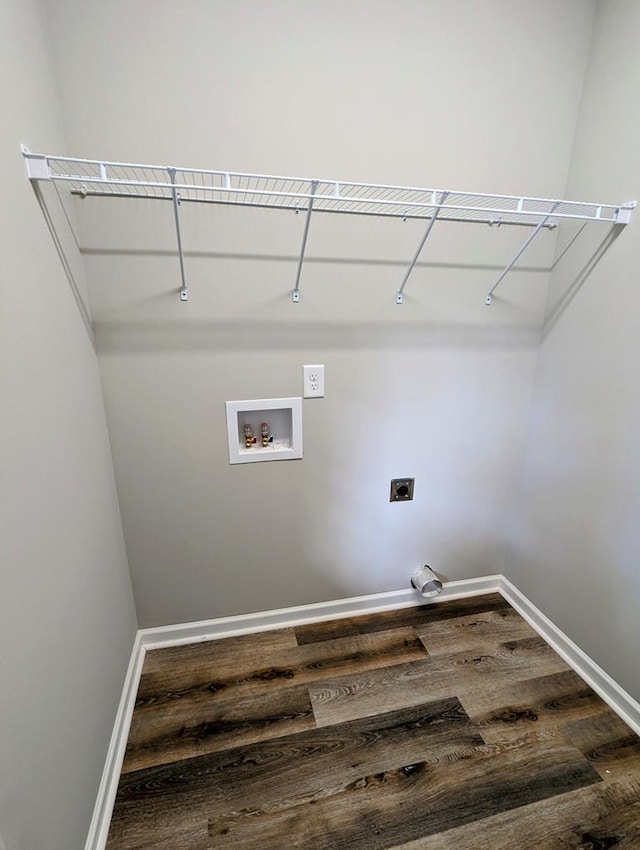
(184, 295)
(542, 223)
(436, 212)
(37, 165)
(296, 288)
(623, 213)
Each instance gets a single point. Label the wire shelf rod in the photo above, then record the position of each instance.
(489, 299)
(416, 216)
(296, 289)
(305, 196)
(400, 292)
(184, 296)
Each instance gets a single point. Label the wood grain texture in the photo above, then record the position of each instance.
(241, 700)
(175, 796)
(347, 697)
(590, 818)
(284, 764)
(393, 806)
(200, 725)
(609, 745)
(443, 727)
(474, 632)
(417, 617)
(508, 710)
(253, 673)
(186, 659)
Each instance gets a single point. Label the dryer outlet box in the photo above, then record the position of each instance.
(401, 490)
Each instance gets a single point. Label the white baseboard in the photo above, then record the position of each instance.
(283, 618)
(155, 638)
(616, 697)
(99, 827)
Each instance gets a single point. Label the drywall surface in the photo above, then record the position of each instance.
(66, 609)
(576, 553)
(458, 94)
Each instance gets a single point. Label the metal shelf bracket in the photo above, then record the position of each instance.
(184, 294)
(37, 165)
(542, 223)
(296, 289)
(438, 207)
(623, 213)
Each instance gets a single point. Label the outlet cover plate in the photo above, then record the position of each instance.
(313, 381)
(401, 490)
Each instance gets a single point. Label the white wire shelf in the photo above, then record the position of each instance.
(120, 179)
(101, 178)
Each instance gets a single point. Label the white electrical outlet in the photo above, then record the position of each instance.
(313, 381)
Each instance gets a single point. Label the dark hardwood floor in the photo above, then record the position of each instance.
(444, 727)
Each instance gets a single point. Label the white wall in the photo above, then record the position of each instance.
(66, 610)
(576, 553)
(448, 94)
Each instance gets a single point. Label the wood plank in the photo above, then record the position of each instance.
(167, 803)
(474, 632)
(226, 650)
(611, 747)
(343, 698)
(619, 828)
(598, 816)
(377, 811)
(435, 728)
(507, 711)
(180, 667)
(256, 672)
(401, 618)
(253, 702)
(193, 727)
